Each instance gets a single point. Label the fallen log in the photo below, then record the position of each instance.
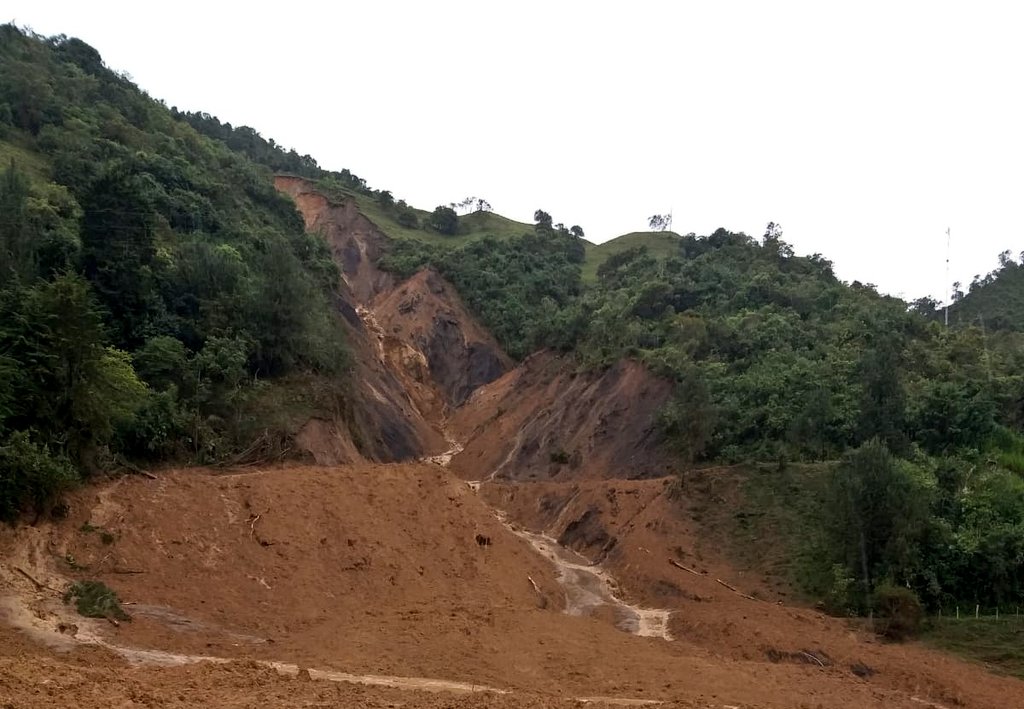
(684, 568)
(737, 591)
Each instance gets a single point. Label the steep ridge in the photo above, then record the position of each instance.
(354, 240)
(384, 423)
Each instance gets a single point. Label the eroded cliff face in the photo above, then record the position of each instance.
(426, 314)
(545, 421)
(417, 351)
(426, 371)
(355, 241)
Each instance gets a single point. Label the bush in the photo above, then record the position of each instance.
(31, 476)
(94, 599)
(444, 220)
(407, 218)
(899, 612)
(559, 457)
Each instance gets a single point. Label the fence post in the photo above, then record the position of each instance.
(977, 610)
(958, 612)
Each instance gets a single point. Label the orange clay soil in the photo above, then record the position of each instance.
(376, 570)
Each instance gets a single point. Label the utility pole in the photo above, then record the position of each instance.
(947, 276)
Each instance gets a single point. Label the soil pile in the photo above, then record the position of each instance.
(374, 573)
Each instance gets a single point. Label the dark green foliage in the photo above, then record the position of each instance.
(995, 301)
(32, 477)
(523, 289)
(688, 421)
(406, 217)
(876, 515)
(138, 247)
(94, 599)
(247, 141)
(444, 220)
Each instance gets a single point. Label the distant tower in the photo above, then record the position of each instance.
(947, 277)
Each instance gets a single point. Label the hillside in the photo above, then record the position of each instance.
(995, 301)
(257, 444)
(659, 244)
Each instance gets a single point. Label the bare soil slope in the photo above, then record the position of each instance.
(355, 241)
(543, 421)
(637, 528)
(365, 570)
(426, 315)
(383, 422)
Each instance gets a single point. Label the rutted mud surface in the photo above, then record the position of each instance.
(589, 588)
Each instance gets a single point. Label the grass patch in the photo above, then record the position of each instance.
(996, 644)
(94, 599)
(660, 245)
(473, 226)
(766, 520)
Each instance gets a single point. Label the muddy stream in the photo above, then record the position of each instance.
(587, 585)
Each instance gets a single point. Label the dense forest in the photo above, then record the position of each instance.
(154, 282)
(153, 279)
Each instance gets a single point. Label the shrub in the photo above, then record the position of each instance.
(899, 612)
(407, 218)
(31, 476)
(559, 457)
(94, 599)
(444, 220)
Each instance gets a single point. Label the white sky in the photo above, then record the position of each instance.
(865, 128)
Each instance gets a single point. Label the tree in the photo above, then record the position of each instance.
(444, 220)
(577, 231)
(407, 218)
(482, 205)
(16, 247)
(542, 219)
(688, 421)
(876, 514)
(883, 400)
(660, 222)
(772, 232)
(118, 248)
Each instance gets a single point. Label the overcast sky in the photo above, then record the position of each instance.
(864, 128)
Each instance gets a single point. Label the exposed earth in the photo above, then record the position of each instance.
(476, 533)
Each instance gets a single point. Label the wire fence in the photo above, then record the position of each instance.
(981, 613)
